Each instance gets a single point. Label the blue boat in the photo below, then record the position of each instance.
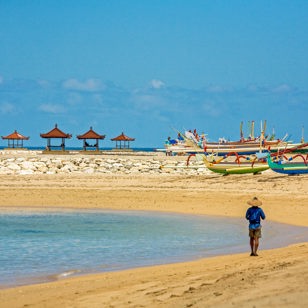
(288, 165)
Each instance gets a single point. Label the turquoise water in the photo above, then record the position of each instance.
(42, 246)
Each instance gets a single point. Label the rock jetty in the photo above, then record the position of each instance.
(24, 162)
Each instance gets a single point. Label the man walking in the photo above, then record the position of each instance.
(254, 214)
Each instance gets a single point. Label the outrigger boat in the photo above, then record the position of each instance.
(287, 165)
(252, 164)
(256, 163)
(191, 143)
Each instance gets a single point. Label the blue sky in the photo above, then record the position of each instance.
(147, 67)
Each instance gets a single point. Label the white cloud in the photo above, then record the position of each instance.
(44, 83)
(97, 98)
(211, 109)
(6, 108)
(282, 88)
(89, 85)
(157, 84)
(147, 101)
(74, 98)
(52, 108)
(254, 88)
(218, 89)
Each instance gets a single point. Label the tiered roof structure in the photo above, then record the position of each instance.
(122, 141)
(56, 133)
(15, 140)
(91, 134)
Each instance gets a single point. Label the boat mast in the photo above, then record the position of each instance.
(261, 136)
(241, 131)
(253, 129)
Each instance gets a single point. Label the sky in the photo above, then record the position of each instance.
(153, 68)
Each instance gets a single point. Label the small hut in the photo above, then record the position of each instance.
(91, 135)
(55, 133)
(122, 141)
(15, 140)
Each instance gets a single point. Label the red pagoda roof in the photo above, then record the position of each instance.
(91, 134)
(56, 133)
(122, 137)
(15, 136)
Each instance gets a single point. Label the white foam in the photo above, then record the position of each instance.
(67, 273)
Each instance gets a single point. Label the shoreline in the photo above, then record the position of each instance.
(210, 195)
(278, 276)
(271, 233)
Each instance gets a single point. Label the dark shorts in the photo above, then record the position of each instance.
(255, 233)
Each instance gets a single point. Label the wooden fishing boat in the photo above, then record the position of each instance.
(297, 164)
(248, 165)
(191, 146)
(245, 148)
(191, 143)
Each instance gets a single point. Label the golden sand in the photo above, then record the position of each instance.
(277, 278)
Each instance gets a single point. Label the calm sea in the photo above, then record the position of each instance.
(102, 148)
(42, 246)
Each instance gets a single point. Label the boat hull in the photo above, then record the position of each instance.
(238, 169)
(287, 168)
(234, 167)
(222, 150)
(290, 171)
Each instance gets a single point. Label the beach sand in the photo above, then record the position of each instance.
(277, 278)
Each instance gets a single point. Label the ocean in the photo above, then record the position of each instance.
(42, 148)
(38, 246)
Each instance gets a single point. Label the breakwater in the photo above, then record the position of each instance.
(25, 162)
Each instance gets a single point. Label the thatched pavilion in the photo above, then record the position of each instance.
(122, 141)
(15, 140)
(56, 133)
(91, 135)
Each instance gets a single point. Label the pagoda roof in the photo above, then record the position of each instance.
(122, 137)
(15, 136)
(55, 133)
(91, 134)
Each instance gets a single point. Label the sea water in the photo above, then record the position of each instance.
(41, 246)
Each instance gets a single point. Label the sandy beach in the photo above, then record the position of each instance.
(277, 278)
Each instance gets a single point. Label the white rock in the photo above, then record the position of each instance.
(201, 170)
(82, 165)
(91, 165)
(117, 165)
(137, 164)
(5, 170)
(111, 161)
(13, 166)
(88, 170)
(65, 169)
(28, 165)
(42, 169)
(26, 172)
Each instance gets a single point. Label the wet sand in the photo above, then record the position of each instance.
(278, 277)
